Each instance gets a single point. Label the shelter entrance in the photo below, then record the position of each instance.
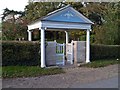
(65, 54)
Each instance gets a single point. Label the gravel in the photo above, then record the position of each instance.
(73, 75)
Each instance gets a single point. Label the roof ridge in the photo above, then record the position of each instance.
(58, 10)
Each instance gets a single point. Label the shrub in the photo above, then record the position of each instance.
(105, 52)
(20, 53)
(28, 53)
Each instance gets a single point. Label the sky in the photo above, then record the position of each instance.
(17, 5)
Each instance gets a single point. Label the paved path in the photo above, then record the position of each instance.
(74, 77)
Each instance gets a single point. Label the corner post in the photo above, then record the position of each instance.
(42, 47)
(29, 35)
(67, 38)
(88, 46)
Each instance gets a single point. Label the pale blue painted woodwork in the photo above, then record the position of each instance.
(67, 14)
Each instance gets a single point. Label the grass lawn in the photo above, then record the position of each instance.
(101, 63)
(28, 71)
(32, 71)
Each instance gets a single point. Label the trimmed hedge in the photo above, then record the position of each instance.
(20, 53)
(28, 53)
(105, 52)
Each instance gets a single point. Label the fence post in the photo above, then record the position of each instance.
(72, 52)
(63, 54)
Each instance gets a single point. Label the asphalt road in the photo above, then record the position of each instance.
(107, 83)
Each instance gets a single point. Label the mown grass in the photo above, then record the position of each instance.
(101, 63)
(28, 71)
(32, 71)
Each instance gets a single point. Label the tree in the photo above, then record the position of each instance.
(12, 27)
(108, 33)
(36, 10)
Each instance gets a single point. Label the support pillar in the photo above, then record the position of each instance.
(88, 46)
(29, 35)
(43, 48)
(67, 38)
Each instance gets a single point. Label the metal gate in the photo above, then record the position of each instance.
(60, 54)
(69, 52)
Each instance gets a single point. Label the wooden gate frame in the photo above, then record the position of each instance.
(72, 52)
(60, 52)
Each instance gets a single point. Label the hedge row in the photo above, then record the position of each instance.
(105, 52)
(20, 53)
(28, 53)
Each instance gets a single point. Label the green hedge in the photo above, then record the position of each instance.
(20, 53)
(105, 52)
(28, 53)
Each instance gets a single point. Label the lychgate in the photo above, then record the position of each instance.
(63, 19)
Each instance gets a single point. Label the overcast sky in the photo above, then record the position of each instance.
(17, 5)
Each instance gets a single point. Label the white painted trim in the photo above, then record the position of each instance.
(65, 25)
(70, 51)
(59, 25)
(72, 55)
(34, 25)
(29, 35)
(64, 54)
(43, 48)
(60, 54)
(67, 37)
(88, 46)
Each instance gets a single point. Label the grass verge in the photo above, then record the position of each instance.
(28, 71)
(101, 63)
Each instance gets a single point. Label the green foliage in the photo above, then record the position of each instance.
(36, 10)
(28, 71)
(101, 63)
(20, 53)
(13, 28)
(105, 52)
(12, 12)
(74, 35)
(12, 31)
(108, 33)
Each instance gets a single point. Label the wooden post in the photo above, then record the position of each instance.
(29, 35)
(67, 38)
(72, 52)
(43, 48)
(63, 54)
(88, 46)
